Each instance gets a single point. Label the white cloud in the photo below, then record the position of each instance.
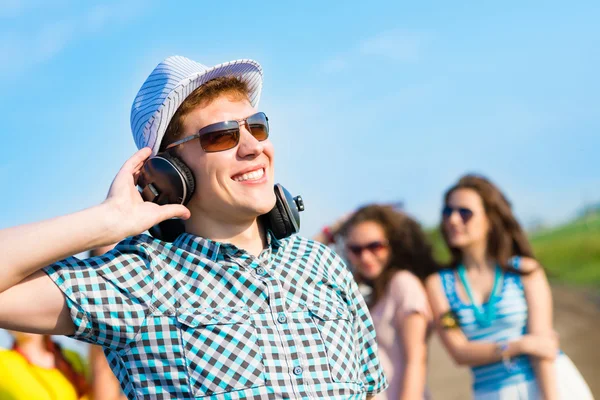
(11, 8)
(394, 45)
(104, 14)
(16, 8)
(53, 38)
(22, 51)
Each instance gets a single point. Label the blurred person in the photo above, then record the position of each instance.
(390, 255)
(104, 383)
(493, 305)
(228, 308)
(38, 368)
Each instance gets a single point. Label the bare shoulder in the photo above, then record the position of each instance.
(405, 284)
(533, 277)
(436, 295)
(528, 265)
(532, 271)
(405, 278)
(432, 282)
(434, 289)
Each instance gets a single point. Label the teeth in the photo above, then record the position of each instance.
(250, 175)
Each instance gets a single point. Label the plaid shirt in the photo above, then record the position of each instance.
(197, 318)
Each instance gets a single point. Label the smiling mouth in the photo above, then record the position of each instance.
(250, 176)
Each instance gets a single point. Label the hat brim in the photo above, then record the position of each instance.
(248, 71)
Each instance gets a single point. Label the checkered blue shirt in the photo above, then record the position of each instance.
(202, 319)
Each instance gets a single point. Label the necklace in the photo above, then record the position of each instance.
(484, 313)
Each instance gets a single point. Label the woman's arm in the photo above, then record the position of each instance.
(414, 335)
(105, 385)
(475, 353)
(539, 303)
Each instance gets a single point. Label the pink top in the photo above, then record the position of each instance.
(405, 295)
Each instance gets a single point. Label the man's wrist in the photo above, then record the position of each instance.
(110, 223)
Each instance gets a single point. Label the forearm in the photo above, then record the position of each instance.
(546, 377)
(28, 248)
(481, 353)
(539, 303)
(413, 385)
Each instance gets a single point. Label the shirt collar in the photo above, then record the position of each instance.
(211, 248)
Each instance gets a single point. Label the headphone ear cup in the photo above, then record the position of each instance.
(278, 218)
(185, 172)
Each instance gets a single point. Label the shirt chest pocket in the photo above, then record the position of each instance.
(221, 351)
(336, 327)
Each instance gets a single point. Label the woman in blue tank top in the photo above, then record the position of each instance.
(493, 306)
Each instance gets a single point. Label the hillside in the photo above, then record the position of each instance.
(570, 252)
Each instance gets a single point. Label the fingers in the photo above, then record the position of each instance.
(136, 161)
(136, 176)
(174, 211)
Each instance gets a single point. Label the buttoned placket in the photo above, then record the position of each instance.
(261, 268)
(298, 365)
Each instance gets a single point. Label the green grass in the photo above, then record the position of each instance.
(570, 253)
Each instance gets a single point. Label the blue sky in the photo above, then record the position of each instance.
(368, 101)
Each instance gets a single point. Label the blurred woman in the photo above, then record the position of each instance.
(38, 368)
(389, 253)
(493, 305)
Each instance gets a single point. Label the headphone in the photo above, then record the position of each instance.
(166, 179)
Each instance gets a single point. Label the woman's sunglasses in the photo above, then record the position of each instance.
(373, 247)
(226, 135)
(464, 213)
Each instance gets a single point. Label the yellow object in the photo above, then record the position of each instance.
(449, 320)
(20, 380)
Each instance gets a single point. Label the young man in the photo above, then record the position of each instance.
(226, 310)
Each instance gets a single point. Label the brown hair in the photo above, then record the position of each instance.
(409, 246)
(506, 238)
(231, 86)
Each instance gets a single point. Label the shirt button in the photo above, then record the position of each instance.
(298, 370)
(340, 311)
(282, 318)
(260, 271)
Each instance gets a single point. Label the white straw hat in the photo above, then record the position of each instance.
(170, 83)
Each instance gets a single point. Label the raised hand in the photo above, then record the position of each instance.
(130, 214)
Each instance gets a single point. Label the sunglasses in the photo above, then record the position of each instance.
(225, 135)
(464, 213)
(373, 247)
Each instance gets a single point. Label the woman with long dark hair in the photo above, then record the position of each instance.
(493, 305)
(390, 255)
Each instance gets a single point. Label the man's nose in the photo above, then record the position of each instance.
(249, 145)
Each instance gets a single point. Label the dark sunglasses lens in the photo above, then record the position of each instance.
(356, 250)
(220, 140)
(372, 247)
(375, 246)
(259, 126)
(446, 212)
(465, 214)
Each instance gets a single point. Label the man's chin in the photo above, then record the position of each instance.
(261, 205)
(262, 209)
